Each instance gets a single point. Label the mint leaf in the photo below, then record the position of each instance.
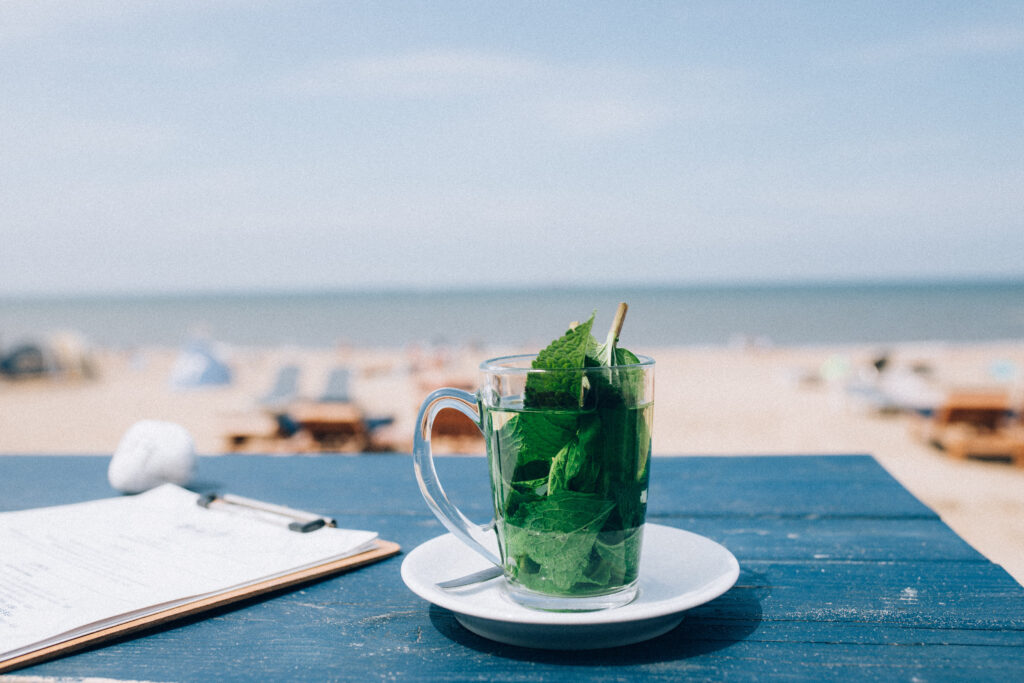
(552, 538)
(627, 382)
(536, 436)
(561, 389)
(572, 467)
(604, 355)
(615, 550)
(625, 357)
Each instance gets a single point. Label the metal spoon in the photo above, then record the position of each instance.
(475, 577)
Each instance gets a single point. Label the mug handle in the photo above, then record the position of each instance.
(423, 463)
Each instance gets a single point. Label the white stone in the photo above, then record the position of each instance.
(151, 453)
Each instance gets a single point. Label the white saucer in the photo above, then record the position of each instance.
(678, 570)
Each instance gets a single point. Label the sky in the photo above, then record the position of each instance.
(195, 146)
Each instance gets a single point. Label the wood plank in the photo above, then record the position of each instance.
(776, 485)
(830, 539)
(947, 595)
(427, 644)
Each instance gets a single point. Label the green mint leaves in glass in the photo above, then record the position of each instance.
(568, 434)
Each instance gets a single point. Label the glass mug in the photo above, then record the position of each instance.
(569, 454)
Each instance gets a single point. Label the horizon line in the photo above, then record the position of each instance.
(407, 289)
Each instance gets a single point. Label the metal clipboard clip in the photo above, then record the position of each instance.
(296, 520)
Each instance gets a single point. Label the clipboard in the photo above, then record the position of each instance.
(380, 550)
(383, 550)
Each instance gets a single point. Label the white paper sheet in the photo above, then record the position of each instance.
(74, 569)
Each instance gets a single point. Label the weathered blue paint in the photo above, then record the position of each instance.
(845, 575)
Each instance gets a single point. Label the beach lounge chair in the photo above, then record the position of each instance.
(338, 387)
(199, 364)
(284, 389)
(985, 409)
(963, 441)
(978, 424)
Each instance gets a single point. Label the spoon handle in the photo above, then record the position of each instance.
(475, 577)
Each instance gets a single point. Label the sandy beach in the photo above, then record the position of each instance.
(745, 400)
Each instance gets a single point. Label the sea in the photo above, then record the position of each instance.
(803, 314)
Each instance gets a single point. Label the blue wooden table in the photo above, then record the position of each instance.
(844, 575)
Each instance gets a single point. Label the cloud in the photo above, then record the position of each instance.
(57, 137)
(570, 100)
(421, 74)
(969, 41)
(199, 58)
(24, 21)
(601, 117)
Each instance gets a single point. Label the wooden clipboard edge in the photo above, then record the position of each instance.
(382, 550)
